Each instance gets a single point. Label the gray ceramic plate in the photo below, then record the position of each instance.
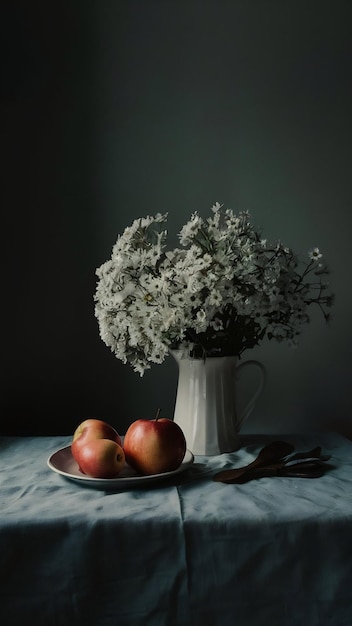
(63, 463)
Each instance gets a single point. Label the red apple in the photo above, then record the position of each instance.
(92, 429)
(101, 458)
(154, 446)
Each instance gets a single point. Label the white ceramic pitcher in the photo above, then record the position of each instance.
(206, 407)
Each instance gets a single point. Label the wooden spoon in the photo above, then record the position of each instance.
(309, 471)
(268, 455)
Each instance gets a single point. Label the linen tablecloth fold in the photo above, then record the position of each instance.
(186, 552)
(73, 555)
(272, 551)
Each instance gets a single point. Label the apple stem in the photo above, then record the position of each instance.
(157, 414)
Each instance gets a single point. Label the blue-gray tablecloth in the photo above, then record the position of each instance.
(185, 552)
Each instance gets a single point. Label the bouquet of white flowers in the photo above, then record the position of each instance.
(219, 294)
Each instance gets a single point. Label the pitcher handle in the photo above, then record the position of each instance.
(248, 409)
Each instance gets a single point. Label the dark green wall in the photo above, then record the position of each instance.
(112, 110)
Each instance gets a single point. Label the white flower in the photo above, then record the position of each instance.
(217, 324)
(215, 298)
(221, 293)
(201, 321)
(189, 230)
(315, 254)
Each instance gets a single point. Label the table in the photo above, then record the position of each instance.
(185, 552)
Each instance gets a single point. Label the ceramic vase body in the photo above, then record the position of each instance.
(206, 402)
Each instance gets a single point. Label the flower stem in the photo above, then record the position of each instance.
(157, 415)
